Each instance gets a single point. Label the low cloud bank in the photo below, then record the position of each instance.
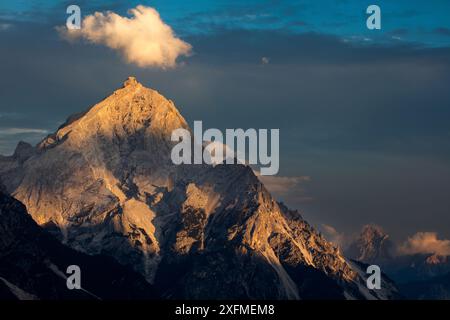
(425, 243)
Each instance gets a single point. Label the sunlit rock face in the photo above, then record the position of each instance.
(33, 264)
(104, 183)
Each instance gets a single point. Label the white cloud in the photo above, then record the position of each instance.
(333, 235)
(265, 60)
(14, 131)
(287, 189)
(425, 243)
(280, 185)
(142, 39)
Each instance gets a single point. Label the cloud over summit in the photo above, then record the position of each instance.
(426, 243)
(142, 39)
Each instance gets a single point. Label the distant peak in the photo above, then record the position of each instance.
(23, 151)
(372, 231)
(436, 259)
(131, 81)
(22, 147)
(372, 246)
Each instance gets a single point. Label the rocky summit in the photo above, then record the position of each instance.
(372, 245)
(104, 183)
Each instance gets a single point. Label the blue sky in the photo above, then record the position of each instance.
(423, 22)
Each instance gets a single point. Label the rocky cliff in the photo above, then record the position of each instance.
(104, 183)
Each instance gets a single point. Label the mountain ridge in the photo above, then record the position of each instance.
(104, 183)
(33, 264)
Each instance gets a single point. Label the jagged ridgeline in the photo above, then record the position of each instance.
(104, 183)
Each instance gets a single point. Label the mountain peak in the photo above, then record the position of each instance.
(371, 231)
(372, 246)
(133, 112)
(104, 183)
(131, 81)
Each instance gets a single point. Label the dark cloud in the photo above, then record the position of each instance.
(368, 124)
(442, 31)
